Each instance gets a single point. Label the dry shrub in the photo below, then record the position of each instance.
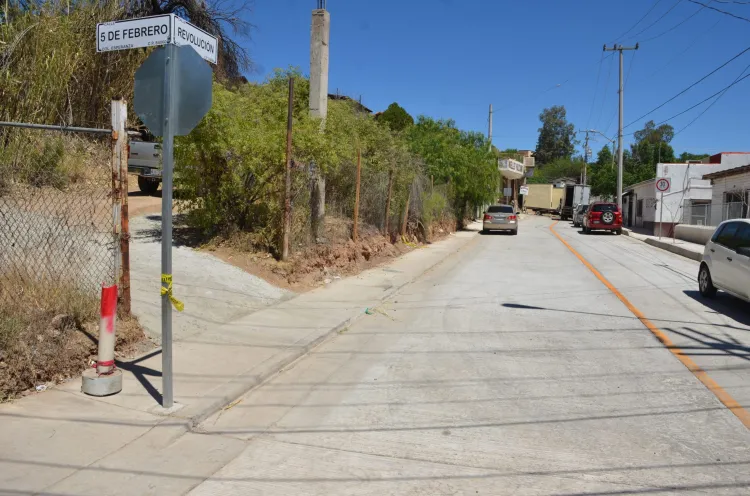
(54, 159)
(48, 334)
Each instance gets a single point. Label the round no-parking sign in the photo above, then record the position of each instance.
(663, 184)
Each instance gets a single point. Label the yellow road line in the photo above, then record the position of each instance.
(726, 399)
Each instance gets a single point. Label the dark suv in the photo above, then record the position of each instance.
(603, 216)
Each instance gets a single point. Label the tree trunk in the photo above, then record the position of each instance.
(388, 203)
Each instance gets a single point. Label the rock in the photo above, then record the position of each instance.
(62, 321)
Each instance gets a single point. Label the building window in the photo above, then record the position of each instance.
(639, 209)
(735, 205)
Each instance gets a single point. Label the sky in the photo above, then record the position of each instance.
(453, 58)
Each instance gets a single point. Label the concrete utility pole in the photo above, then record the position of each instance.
(319, 49)
(620, 49)
(489, 131)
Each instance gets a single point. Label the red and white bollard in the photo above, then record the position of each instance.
(105, 378)
(105, 362)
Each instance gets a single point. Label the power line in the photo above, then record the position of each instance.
(689, 87)
(604, 95)
(676, 25)
(720, 11)
(724, 92)
(653, 23)
(596, 90)
(696, 39)
(639, 20)
(700, 103)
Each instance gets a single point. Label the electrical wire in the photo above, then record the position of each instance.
(676, 25)
(596, 90)
(720, 11)
(656, 21)
(606, 87)
(691, 45)
(689, 87)
(724, 92)
(639, 21)
(699, 103)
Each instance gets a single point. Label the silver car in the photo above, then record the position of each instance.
(578, 214)
(726, 260)
(500, 218)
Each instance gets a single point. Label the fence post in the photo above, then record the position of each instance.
(388, 202)
(287, 205)
(356, 195)
(119, 118)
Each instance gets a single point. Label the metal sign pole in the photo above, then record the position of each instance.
(661, 214)
(166, 228)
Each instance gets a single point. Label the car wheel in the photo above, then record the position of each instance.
(147, 185)
(618, 231)
(484, 231)
(514, 233)
(705, 284)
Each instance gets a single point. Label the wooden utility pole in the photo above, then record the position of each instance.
(287, 205)
(356, 195)
(388, 201)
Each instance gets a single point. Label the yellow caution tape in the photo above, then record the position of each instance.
(167, 279)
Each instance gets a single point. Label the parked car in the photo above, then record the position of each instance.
(500, 218)
(726, 261)
(578, 215)
(603, 216)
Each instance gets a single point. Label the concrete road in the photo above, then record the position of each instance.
(510, 369)
(214, 292)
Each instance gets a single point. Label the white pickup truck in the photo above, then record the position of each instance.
(144, 159)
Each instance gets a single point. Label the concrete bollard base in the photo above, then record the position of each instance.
(94, 384)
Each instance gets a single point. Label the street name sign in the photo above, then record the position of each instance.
(172, 94)
(155, 31)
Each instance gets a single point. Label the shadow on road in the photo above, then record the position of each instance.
(724, 304)
(182, 234)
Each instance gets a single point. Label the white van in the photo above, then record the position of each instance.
(144, 159)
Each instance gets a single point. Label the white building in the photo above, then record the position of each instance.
(730, 194)
(688, 200)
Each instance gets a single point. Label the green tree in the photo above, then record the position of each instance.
(605, 157)
(685, 156)
(652, 146)
(396, 117)
(556, 136)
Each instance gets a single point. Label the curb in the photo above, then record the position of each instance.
(676, 249)
(242, 387)
(670, 247)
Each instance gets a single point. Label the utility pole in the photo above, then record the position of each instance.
(489, 131)
(586, 152)
(620, 49)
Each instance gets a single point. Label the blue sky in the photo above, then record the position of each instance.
(452, 58)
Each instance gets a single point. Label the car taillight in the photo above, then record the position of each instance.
(128, 150)
(487, 217)
(511, 217)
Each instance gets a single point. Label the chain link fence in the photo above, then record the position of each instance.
(57, 215)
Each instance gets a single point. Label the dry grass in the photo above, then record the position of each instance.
(48, 334)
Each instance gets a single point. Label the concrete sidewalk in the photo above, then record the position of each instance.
(689, 250)
(63, 442)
